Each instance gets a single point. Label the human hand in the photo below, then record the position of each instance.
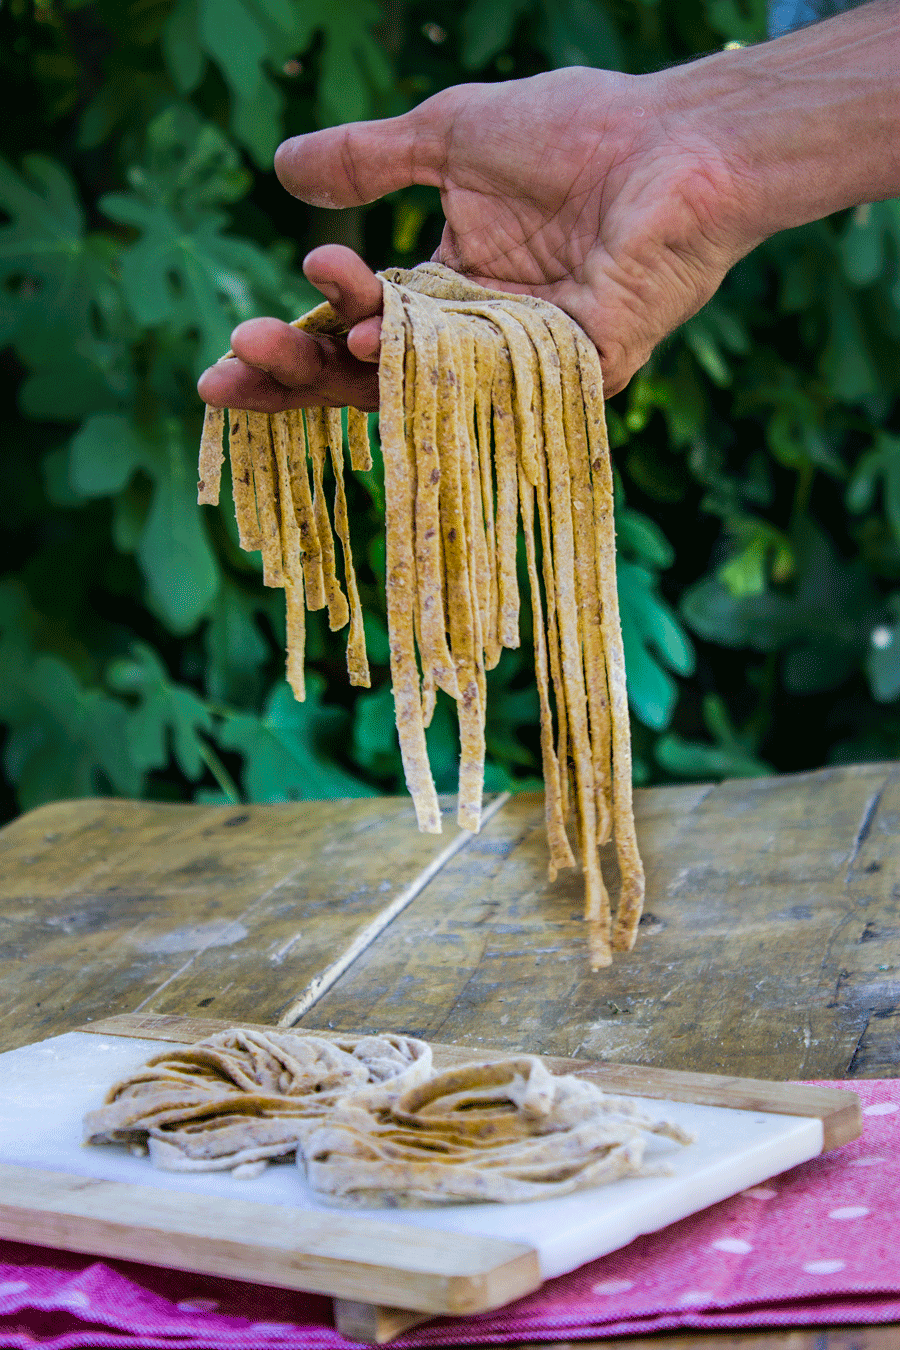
(277, 366)
(580, 186)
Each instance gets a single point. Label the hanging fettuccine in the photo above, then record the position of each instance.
(491, 411)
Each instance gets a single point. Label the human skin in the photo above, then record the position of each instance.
(623, 199)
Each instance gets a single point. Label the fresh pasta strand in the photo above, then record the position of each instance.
(259, 437)
(211, 457)
(438, 667)
(491, 408)
(338, 612)
(485, 361)
(304, 514)
(552, 643)
(479, 580)
(400, 566)
(560, 849)
(461, 602)
(358, 440)
(357, 660)
(291, 562)
(242, 482)
(412, 360)
(505, 459)
(631, 897)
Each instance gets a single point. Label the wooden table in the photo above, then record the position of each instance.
(770, 945)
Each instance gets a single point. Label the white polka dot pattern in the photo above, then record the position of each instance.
(610, 1287)
(824, 1267)
(75, 1298)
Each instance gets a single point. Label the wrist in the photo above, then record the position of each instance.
(803, 125)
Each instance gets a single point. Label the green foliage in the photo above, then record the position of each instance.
(170, 541)
(654, 641)
(284, 750)
(731, 755)
(165, 719)
(758, 455)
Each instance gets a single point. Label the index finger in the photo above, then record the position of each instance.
(346, 281)
(276, 367)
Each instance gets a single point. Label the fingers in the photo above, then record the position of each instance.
(618, 366)
(361, 161)
(276, 367)
(364, 340)
(345, 280)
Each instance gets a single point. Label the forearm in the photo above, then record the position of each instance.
(808, 123)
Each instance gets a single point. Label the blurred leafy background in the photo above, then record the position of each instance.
(758, 455)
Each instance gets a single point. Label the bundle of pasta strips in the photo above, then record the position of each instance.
(502, 1132)
(491, 411)
(369, 1121)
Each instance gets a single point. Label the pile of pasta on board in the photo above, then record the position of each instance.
(371, 1122)
(491, 412)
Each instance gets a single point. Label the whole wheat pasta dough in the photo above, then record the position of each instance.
(245, 1095)
(500, 1132)
(371, 1122)
(491, 411)
(211, 456)
(437, 662)
(242, 486)
(301, 497)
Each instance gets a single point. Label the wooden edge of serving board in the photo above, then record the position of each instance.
(838, 1108)
(353, 1258)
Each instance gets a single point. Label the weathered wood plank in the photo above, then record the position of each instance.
(770, 945)
(378, 1326)
(111, 906)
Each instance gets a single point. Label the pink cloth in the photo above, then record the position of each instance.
(820, 1244)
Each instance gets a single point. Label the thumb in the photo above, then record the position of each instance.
(361, 161)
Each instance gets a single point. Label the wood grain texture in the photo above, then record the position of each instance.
(838, 1110)
(112, 906)
(770, 945)
(350, 1256)
(371, 1323)
(378, 1325)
